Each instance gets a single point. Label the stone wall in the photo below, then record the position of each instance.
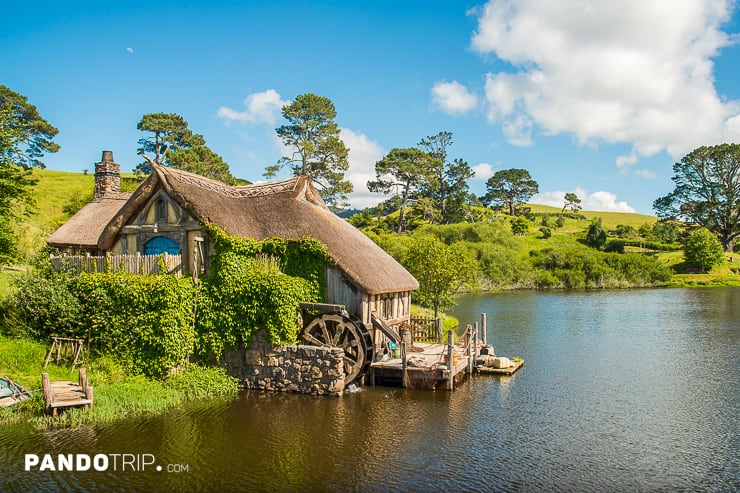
(304, 369)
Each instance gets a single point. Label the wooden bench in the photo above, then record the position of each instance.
(65, 394)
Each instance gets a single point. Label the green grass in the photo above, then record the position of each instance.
(117, 395)
(53, 190)
(610, 220)
(7, 284)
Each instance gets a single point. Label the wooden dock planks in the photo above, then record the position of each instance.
(66, 394)
(426, 368)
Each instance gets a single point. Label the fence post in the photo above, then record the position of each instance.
(438, 325)
(450, 362)
(483, 321)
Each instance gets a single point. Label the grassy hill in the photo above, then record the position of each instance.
(610, 220)
(56, 191)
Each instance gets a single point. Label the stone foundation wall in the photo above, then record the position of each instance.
(304, 369)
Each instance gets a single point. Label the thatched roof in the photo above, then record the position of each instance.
(83, 230)
(289, 209)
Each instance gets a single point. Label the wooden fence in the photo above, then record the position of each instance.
(135, 264)
(426, 329)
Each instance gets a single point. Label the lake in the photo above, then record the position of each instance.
(631, 390)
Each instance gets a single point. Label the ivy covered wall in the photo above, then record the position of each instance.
(153, 323)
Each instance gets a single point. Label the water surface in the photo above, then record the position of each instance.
(621, 391)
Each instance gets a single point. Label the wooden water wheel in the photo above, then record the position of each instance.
(340, 331)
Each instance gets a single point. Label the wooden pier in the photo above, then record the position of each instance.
(66, 394)
(429, 365)
(424, 367)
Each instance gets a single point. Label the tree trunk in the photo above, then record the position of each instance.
(399, 228)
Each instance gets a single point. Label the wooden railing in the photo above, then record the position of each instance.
(135, 264)
(426, 329)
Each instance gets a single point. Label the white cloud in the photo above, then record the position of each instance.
(518, 131)
(261, 107)
(644, 173)
(483, 171)
(363, 154)
(453, 98)
(597, 201)
(631, 72)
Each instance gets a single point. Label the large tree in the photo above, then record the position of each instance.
(510, 188)
(406, 170)
(30, 136)
(572, 202)
(202, 160)
(318, 151)
(450, 189)
(169, 132)
(707, 192)
(24, 138)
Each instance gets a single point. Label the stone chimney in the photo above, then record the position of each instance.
(107, 176)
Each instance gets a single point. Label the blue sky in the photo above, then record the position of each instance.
(596, 97)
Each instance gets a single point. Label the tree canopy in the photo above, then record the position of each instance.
(510, 188)
(318, 151)
(24, 135)
(440, 270)
(409, 170)
(572, 202)
(202, 160)
(450, 191)
(707, 192)
(24, 138)
(170, 133)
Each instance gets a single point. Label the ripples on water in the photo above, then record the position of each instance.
(621, 391)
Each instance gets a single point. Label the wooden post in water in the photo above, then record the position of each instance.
(48, 393)
(450, 362)
(475, 347)
(483, 321)
(404, 375)
(469, 332)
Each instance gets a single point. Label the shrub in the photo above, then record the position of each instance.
(199, 381)
(596, 236)
(703, 250)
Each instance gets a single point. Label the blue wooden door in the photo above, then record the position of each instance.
(161, 244)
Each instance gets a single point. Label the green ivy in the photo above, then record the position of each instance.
(236, 300)
(156, 322)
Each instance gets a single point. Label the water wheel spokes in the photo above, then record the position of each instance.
(337, 331)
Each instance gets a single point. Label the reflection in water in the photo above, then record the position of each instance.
(621, 391)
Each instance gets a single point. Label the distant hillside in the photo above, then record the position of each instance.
(610, 220)
(54, 191)
(57, 189)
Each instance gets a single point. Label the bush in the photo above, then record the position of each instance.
(615, 246)
(596, 236)
(196, 381)
(703, 250)
(43, 307)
